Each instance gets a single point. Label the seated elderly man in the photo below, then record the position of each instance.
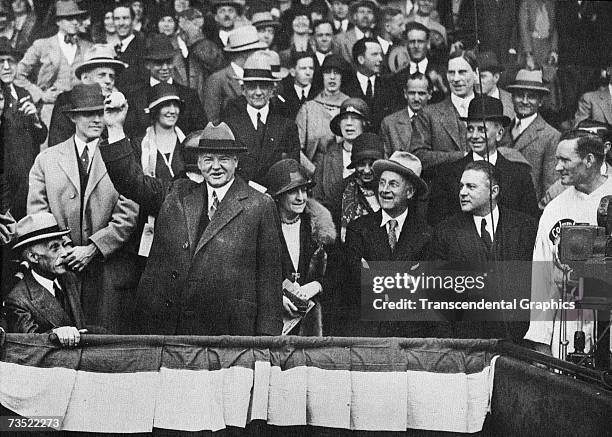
(47, 299)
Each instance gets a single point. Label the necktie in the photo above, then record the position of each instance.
(391, 235)
(213, 208)
(70, 39)
(414, 68)
(303, 99)
(369, 91)
(516, 130)
(260, 124)
(85, 159)
(59, 295)
(484, 234)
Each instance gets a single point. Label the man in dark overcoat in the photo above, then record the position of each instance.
(214, 266)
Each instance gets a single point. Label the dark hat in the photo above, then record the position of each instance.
(160, 93)
(86, 98)
(67, 9)
(37, 227)
(7, 49)
(529, 80)
(487, 61)
(336, 62)
(487, 108)
(219, 138)
(366, 146)
(159, 48)
(100, 55)
(286, 175)
(215, 4)
(367, 3)
(354, 106)
(406, 164)
(190, 150)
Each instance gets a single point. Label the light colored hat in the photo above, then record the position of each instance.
(244, 38)
(257, 69)
(529, 80)
(278, 72)
(406, 164)
(37, 227)
(101, 55)
(264, 19)
(65, 9)
(219, 138)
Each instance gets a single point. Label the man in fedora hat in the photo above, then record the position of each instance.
(360, 196)
(533, 137)
(363, 14)
(159, 59)
(222, 86)
(490, 71)
(486, 124)
(257, 124)
(130, 50)
(394, 233)
(214, 266)
(482, 232)
(48, 67)
(21, 132)
(102, 67)
(47, 299)
(71, 182)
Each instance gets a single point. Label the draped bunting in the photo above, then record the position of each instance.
(134, 384)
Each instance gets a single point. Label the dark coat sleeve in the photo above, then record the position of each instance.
(195, 118)
(60, 127)
(128, 178)
(20, 317)
(291, 142)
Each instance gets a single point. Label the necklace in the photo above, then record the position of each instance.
(290, 222)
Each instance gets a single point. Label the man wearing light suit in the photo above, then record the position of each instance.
(70, 181)
(48, 67)
(596, 105)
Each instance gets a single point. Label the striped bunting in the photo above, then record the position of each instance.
(134, 384)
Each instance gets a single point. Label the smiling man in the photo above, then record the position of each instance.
(486, 124)
(214, 266)
(129, 50)
(580, 156)
(70, 181)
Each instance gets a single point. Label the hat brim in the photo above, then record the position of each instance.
(207, 145)
(115, 64)
(86, 109)
(41, 237)
(504, 120)
(166, 56)
(292, 186)
(72, 15)
(366, 154)
(334, 124)
(419, 184)
(528, 86)
(267, 23)
(251, 46)
(370, 4)
(258, 79)
(236, 5)
(155, 103)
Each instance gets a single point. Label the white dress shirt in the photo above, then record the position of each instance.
(91, 148)
(524, 124)
(221, 192)
(492, 157)
(492, 221)
(461, 104)
(126, 42)
(224, 36)
(153, 81)
(423, 63)
(341, 24)
(253, 114)
(384, 44)
(47, 284)
(69, 50)
(363, 82)
(360, 34)
(299, 89)
(321, 56)
(400, 222)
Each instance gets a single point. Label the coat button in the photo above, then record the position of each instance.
(186, 245)
(168, 303)
(174, 274)
(72, 196)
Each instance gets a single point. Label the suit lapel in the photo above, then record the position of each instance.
(605, 100)
(72, 288)
(229, 208)
(233, 83)
(269, 143)
(450, 122)
(69, 164)
(193, 205)
(96, 173)
(45, 302)
(529, 135)
(404, 120)
(468, 239)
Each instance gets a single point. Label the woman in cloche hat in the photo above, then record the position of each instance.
(306, 228)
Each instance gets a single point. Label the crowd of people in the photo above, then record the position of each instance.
(210, 167)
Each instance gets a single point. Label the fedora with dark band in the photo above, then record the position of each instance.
(86, 98)
(529, 80)
(406, 164)
(219, 138)
(100, 55)
(244, 38)
(37, 227)
(487, 108)
(68, 9)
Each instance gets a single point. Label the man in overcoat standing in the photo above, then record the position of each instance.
(214, 266)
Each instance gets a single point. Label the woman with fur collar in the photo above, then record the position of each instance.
(305, 228)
